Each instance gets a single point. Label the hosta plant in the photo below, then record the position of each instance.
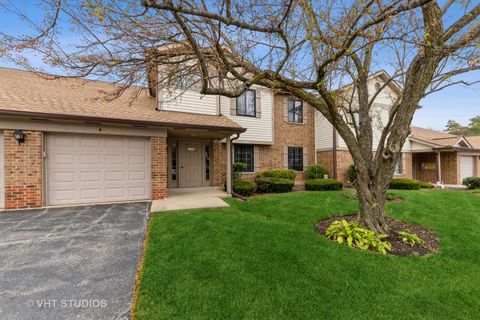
(411, 238)
(353, 235)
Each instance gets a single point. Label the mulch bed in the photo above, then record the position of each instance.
(398, 247)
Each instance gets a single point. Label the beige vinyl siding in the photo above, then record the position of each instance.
(323, 132)
(259, 129)
(188, 101)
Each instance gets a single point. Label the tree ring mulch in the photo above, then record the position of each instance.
(398, 247)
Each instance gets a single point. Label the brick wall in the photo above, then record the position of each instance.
(159, 165)
(272, 156)
(23, 170)
(426, 164)
(450, 165)
(344, 160)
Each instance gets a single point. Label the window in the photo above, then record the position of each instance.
(246, 104)
(207, 162)
(398, 166)
(174, 162)
(295, 158)
(295, 110)
(244, 154)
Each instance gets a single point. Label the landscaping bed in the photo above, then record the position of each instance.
(398, 247)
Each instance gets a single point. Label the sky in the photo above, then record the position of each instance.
(454, 103)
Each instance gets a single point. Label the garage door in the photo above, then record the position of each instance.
(467, 167)
(89, 168)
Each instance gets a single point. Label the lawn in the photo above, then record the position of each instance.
(263, 259)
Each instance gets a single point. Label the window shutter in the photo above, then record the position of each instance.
(256, 158)
(258, 103)
(305, 112)
(285, 109)
(305, 159)
(233, 106)
(285, 157)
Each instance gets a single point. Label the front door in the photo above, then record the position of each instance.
(190, 163)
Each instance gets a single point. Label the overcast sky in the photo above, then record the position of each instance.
(456, 103)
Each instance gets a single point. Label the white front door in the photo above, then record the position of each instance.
(467, 167)
(93, 168)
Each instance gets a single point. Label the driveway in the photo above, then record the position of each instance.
(70, 263)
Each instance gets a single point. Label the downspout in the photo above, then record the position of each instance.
(334, 154)
(232, 160)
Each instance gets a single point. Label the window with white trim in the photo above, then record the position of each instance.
(295, 158)
(246, 104)
(295, 110)
(244, 153)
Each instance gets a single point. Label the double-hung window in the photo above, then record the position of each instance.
(295, 158)
(244, 154)
(295, 110)
(246, 104)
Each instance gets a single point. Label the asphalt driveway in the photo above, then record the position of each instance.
(70, 263)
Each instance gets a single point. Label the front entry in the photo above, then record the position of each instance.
(190, 163)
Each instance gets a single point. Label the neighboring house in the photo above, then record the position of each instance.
(63, 143)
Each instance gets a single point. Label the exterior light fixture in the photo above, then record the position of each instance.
(19, 136)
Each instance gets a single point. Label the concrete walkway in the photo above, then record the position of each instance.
(191, 198)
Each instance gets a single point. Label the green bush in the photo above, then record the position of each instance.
(323, 185)
(405, 184)
(266, 184)
(471, 182)
(352, 174)
(278, 173)
(238, 167)
(316, 171)
(425, 185)
(244, 188)
(351, 234)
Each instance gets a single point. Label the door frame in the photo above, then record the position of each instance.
(203, 142)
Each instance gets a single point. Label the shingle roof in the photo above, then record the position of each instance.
(25, 93)
(474, 141)
(435, 137)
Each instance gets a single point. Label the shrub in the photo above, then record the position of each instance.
(411, 238)
(471, 182)
(405, 184)
(279, 173)
(352, 174)
(244, 188)
(425, 185)
(238, 167)
(323, 185)
(351, 234)
(316, 171)
(266, 184)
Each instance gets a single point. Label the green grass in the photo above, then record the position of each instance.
(262, 259)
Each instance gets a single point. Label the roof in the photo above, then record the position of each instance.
(437, 138)
(25, 94)
(474, 141)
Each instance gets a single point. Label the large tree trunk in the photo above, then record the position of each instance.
(371, 198)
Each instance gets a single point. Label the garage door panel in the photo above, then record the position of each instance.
(467, 167)
(97, 169)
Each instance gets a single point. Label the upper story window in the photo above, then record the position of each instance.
(244, 153)
(295, 158)
(246, 104)
(295, 110)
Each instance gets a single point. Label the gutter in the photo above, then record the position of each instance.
(56, 116)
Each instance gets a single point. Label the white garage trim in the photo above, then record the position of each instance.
(467, 167)
(96, 168)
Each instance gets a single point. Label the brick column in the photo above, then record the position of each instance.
(219, 163)
(23, 170)
(159, 162)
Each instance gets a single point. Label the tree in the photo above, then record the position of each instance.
(456, 128)
(473, 128)
(319, 51)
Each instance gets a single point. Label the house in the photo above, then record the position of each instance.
(63, 143)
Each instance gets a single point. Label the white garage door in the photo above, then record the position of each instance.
(89, 168)
(467, 167)
(2, 173)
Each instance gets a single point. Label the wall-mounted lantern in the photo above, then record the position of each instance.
(19, 136)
